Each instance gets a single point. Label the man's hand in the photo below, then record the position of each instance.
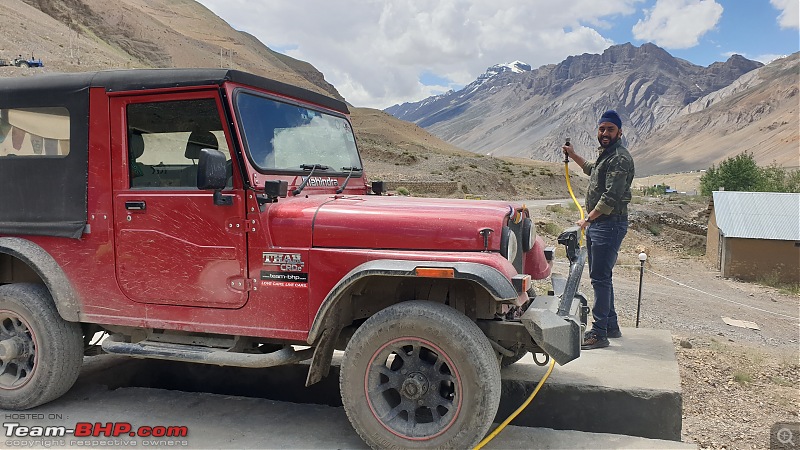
(568, 150)
(583, 223)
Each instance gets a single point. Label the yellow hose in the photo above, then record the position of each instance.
(519, 410)
(552, 362)
(571, 194)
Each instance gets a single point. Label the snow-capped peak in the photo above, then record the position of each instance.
(514, 67)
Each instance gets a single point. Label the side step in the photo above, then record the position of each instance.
(204, 355)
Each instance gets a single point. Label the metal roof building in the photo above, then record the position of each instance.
(758, 215)
(755, 235)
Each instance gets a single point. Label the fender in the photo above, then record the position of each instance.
(489, 278)
(49, 271)
(328, 323)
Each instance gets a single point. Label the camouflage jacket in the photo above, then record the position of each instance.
(611, 177)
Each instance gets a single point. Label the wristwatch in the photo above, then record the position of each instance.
(588, 219)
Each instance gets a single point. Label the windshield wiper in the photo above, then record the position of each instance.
(312, 168)
(346, 180)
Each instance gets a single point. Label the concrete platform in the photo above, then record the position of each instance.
(632, 388)
(624, 396)
(236, 422)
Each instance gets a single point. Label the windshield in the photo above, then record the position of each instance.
(282, 136)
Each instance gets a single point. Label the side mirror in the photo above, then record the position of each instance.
(378, 187)
(211, 172)
(272, 190)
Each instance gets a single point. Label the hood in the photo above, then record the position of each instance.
(405, 223)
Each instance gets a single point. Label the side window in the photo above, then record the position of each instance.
(165, 138)
(34, 132)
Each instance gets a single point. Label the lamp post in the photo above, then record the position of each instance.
(642, 259)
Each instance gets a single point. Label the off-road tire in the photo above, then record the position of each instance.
(50, 349)
(412, 362)
(24, 65)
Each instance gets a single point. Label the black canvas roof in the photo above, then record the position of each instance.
(139, 79)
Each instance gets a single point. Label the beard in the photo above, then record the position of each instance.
(611, 141)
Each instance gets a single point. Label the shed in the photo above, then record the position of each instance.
(755, 235)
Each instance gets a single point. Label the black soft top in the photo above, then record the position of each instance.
(139, 79)
(47, 195)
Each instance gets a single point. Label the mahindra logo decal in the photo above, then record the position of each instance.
(319, 181)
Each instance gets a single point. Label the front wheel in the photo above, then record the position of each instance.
(40, 353)
(428, 374)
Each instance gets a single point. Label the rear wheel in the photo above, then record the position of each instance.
(40, 353)
(428, 374)
(24, 64)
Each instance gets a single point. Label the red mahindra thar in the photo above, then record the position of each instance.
(218, 217)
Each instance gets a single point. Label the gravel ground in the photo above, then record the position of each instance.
(737, 382)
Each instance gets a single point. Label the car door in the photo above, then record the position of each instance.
(174, 244)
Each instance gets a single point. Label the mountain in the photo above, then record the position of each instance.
(529, 114)
(85, 35)
(758, 113)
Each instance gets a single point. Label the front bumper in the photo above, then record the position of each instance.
(556, 322)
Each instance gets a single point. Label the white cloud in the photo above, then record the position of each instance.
(375, 51)
(790, 13)
(678, 24)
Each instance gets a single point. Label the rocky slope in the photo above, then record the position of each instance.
(83, 35)
(529, 114)
(758, 112)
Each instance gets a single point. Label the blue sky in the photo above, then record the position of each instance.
(381, 52)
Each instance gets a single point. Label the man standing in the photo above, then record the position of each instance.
(607, 201)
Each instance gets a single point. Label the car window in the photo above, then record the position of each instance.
(165, 138)
(34, 132)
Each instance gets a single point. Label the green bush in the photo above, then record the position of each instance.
(741, 173)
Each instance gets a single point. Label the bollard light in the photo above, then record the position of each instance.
(642, 259)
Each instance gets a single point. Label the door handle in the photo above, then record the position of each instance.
(138, 205)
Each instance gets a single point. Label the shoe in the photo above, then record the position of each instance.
(615, 334)
(592, 341)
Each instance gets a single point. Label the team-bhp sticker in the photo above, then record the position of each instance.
(283, 269)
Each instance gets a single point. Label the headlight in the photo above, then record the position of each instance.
(528, 234)
(508, 244)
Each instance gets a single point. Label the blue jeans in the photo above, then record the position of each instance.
(603, 240)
